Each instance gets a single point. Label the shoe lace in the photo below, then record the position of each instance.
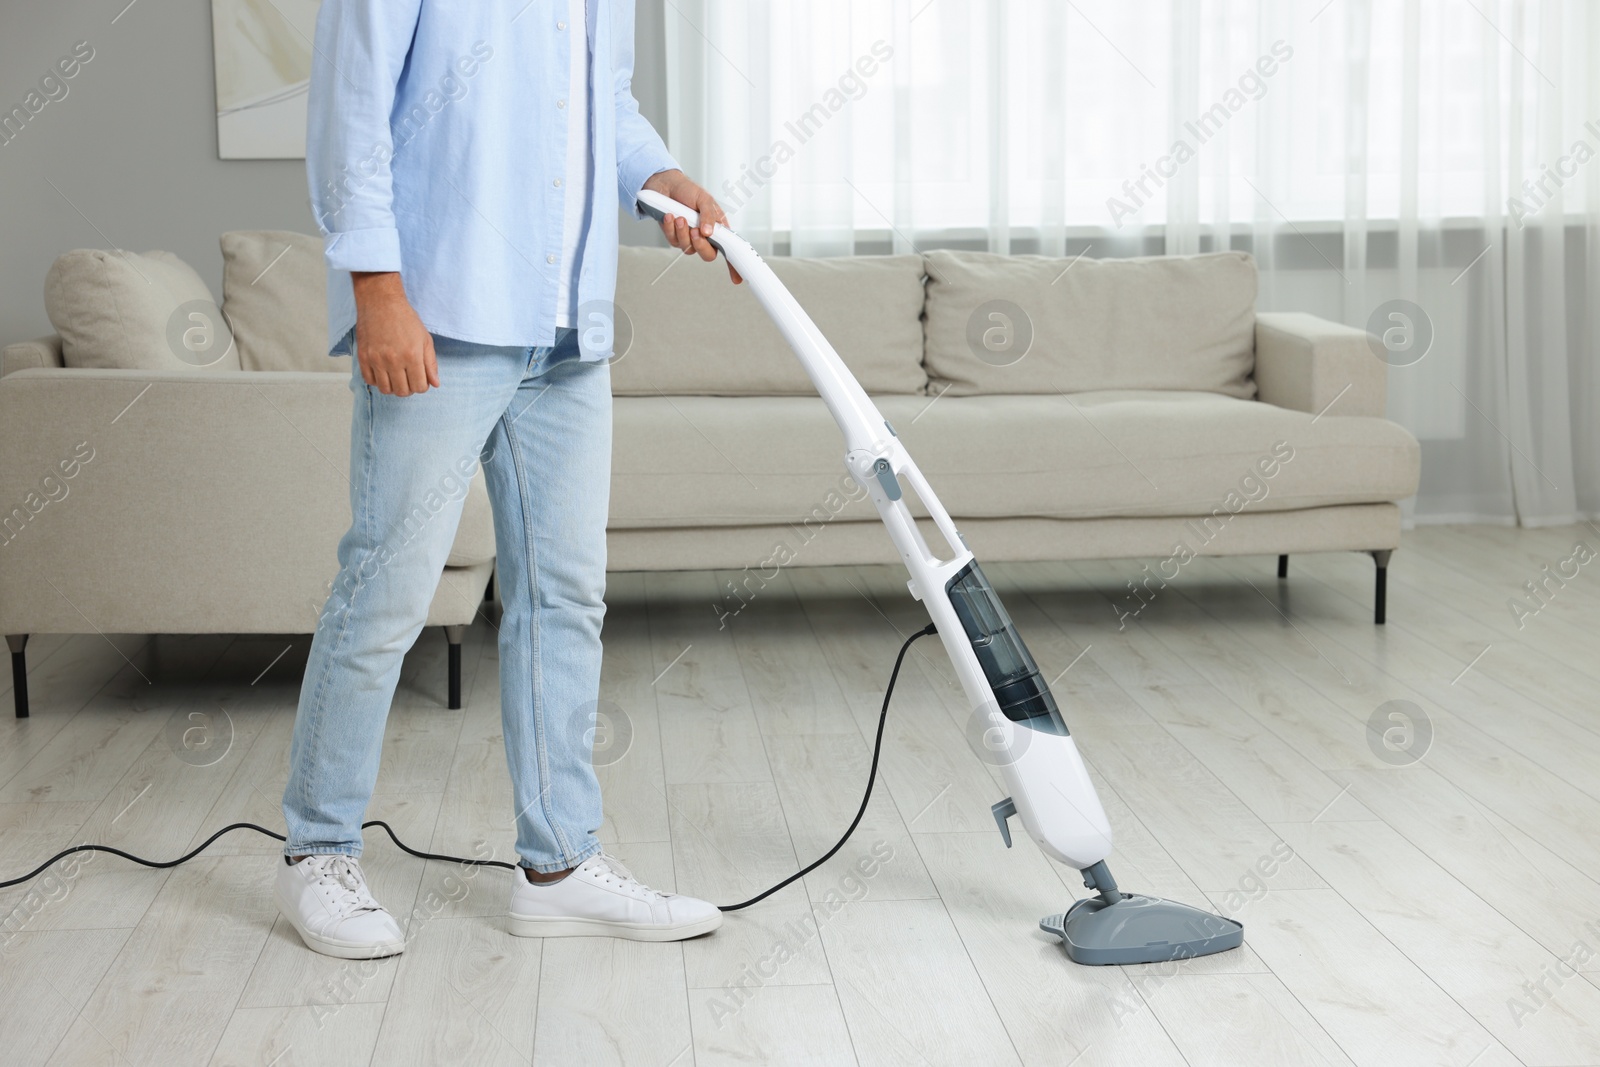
(624, 876)
(344, 874)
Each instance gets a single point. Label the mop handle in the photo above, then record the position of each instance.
(1049, 783)
(859, 419)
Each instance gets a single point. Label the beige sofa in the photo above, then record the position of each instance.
(1064, 409)
(147, 493)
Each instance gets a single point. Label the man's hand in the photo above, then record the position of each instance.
(393, 349)
(692, 240)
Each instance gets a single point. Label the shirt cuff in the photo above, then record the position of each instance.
(363, 250)
(636, 169)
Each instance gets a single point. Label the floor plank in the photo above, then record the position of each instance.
(1475, 954)
(608, 1002)
(910, 991)
(1370, 998)
(464, 992)
(786, 1026)
(1225, 1019)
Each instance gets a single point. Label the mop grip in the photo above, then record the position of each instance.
(659, 205)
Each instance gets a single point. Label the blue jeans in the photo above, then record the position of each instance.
(540, 421)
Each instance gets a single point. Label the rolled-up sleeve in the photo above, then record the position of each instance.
(640, 150)
(359, 53)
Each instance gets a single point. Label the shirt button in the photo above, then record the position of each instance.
(561, 103)
(561, 25)
(558, 183)
(550, 258)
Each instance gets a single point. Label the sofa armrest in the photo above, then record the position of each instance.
(176, 502)
(1307, 363)
(24, 355)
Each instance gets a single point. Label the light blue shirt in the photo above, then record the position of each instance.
(437, 147)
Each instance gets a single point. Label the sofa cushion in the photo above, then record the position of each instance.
(693, 333)
(275, 294)
(703, 461)
(135, 311)
(1034, 324)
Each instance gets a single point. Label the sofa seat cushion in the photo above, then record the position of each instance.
(694, 333)
(275, 294)
(474, 542)
(704, 461)
(118, 310)
(1036, 324)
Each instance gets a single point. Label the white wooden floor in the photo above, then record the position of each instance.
(1444, 911)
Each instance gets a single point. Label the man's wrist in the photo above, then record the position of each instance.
(369, 285)
(662, 181)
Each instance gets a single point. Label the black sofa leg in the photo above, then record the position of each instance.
(19, 672)
(455, 635)
(1283, 566)
(1380, 594)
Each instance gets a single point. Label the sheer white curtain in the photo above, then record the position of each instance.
(1441, 152)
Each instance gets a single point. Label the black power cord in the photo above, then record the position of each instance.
(872, 778)
(186, 857)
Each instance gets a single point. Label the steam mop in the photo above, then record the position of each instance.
(1050, 788)
(1022, 726)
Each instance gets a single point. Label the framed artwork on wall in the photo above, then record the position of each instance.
(263, 68)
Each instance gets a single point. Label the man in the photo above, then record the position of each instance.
(466, 161)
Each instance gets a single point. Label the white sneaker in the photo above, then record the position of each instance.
(326, 899)
(601, 899)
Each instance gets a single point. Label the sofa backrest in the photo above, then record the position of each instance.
(275, 296)
(1036, 324)
(961, 322)
(693, 332)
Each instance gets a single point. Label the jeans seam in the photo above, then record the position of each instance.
(319, 714)
(541, 753)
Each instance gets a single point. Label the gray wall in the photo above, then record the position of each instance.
(132, 147)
